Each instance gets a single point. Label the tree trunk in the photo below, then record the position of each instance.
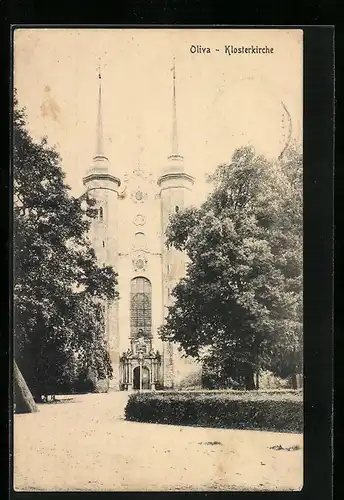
(249, 379)
(24, 402)
(293, 381)
(257, 379)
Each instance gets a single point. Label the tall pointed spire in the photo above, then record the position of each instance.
(139, 154)
(100, 162)
(99, 146)
(175, 160)
(138, 169)
(174, 167)
(174, 114)
(100, 166)
(139, 144)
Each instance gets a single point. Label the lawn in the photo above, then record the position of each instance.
(83, 443)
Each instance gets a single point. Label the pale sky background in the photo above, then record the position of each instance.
(223, 101)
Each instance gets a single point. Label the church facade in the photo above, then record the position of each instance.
(128, 233)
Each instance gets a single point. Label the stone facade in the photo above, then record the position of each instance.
(128, 233)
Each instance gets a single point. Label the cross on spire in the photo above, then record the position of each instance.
(99, 72)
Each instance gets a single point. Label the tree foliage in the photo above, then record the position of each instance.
(59, 289)
(239, 308)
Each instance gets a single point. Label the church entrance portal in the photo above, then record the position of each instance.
(145, 378)
(140, 366)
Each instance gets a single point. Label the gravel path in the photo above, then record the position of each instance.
(83, 443)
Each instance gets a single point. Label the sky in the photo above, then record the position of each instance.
(223, 101)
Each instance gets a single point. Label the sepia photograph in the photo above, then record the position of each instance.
(157, 259)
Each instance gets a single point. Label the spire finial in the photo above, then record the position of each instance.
(99, 72)
(174, 113)
(139, 157)
(99, 148)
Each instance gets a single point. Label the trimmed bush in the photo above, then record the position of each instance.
(280, 411)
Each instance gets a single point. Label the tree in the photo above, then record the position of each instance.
(59, 289)
(239, 308)
(23, 400)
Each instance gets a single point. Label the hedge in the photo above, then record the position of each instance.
(277, 411)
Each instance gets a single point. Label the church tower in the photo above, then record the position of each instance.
(175, 186)
(103, 187)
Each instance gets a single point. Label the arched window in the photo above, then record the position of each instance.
(140, 239)
(101, 213)
(177, 208)
(141, 307)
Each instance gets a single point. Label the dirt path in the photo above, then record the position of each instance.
(84, 444)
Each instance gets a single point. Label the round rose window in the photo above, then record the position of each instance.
(139, 220)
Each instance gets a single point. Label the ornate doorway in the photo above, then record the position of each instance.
(140, 365)
(141, 378)
(140, 356)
